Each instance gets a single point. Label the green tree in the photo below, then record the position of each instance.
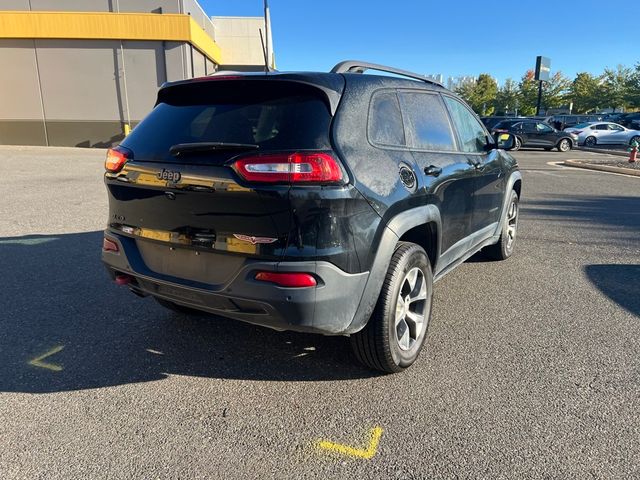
(528, 87)
(633, 93)
(585, 93)
(507, 98)
(617, 86)
(554, 92)
(480, 95)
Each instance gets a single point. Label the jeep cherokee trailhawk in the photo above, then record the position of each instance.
(316, 202)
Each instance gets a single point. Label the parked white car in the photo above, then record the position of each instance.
(603, 133)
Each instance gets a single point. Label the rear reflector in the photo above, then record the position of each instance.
(123, 279)
(109, 245)
(299, 167)
(116, 158)
(291, 279)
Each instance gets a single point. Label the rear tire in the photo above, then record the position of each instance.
(392, 339)
(174, 307)
(504, 248)
(517, 145)
(590, 142)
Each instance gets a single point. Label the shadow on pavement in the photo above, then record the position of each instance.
(56, 294)
(621, 283)
(620, 212)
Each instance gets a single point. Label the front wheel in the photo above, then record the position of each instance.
(564, 145)
(504, 248)
(393, 337)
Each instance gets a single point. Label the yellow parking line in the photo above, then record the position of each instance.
(374, 439)
(37, 362)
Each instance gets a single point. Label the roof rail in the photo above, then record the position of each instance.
(358, 66)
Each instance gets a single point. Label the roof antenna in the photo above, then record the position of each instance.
(264, 52)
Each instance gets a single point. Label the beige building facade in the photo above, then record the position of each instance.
(84, 72)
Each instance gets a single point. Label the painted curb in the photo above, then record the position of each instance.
(602, 168)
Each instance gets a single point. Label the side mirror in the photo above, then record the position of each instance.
(505, 141)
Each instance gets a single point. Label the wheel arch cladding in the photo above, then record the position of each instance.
(397, 227)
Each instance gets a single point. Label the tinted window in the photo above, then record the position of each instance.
(543, 128)
(473, 137)
(272, 115)
(385, 120)
(507, 124)
(602, 126)
(426, 121)
(529, 127)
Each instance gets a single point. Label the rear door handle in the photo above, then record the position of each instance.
(432, 170)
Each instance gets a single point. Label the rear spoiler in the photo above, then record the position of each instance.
(331, 86)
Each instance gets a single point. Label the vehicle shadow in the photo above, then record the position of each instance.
(618, 282)
(58, 301)
(622, 213)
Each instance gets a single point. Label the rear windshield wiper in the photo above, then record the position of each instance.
(185, 148)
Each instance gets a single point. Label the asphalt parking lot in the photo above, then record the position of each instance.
(531, 367)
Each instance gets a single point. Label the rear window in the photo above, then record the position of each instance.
(275, 115)
(506, 123)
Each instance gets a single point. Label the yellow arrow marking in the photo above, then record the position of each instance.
(369, 452)
(37, 362)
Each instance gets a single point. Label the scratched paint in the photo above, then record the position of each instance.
(367, 453)
(38, 361)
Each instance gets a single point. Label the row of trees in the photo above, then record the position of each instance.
(615, 88)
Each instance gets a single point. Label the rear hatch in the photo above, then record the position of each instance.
(180, 194)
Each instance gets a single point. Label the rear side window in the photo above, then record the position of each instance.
(274, 115)
(385, 120)
(472, 135)
(426, 122)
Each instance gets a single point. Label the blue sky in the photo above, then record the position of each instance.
(449, 37)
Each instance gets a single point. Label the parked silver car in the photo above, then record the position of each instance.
(604, 133)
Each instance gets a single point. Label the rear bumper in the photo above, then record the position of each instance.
(328, 308)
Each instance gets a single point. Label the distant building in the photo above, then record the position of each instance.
(437, 77)
(457, 82)
(84, 72)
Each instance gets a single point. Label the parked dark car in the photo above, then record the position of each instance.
(536, 134)
(630, 120)
(491, 122)
(317, 202)
(560, 122)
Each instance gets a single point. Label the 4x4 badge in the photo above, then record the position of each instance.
(254, 240)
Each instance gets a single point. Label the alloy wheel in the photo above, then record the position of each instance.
(410, 309)
(512, 224)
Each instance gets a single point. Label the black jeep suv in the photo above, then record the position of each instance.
(315, 202)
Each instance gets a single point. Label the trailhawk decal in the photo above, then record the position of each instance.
(254, 240)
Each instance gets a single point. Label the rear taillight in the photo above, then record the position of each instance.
(576, 132)
(116, 158)
(109, 245)
(299, 167)
(290, 280)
